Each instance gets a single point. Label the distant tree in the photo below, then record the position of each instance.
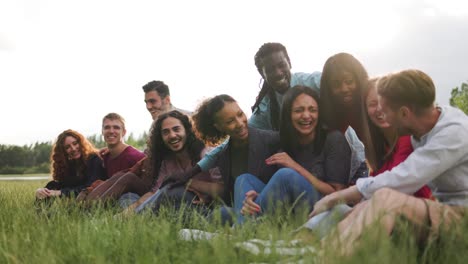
(41, 152)
(13, 156)
(97, 141)
(459, 97)
(35, 158)
(137, 142)
(131, 140)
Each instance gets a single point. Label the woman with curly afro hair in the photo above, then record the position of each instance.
(75, 165)
(245, 151)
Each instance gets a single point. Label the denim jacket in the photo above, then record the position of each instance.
(358, 167)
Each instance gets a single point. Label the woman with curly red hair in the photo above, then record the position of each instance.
(75, 165)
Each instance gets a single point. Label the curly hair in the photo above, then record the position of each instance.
(158, 151)
(266, 50)
(204, 119)
(60, 164)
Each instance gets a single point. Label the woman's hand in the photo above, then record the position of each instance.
(42, 193)
(282, 159)
(55, 192)
(249, 206)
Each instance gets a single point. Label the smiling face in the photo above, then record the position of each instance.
(173, 134)
(304, 117)
(396, 118)
(276, 71)
(72, 148)
(232, 121)
(344, 90)
(373, 109)
(113, 131)
(155, 104)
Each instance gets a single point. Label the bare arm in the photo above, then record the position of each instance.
(321, 186)
(285, 160)
(211, 188)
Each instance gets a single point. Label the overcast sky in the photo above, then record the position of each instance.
(65, 64)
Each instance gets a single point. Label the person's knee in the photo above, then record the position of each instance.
(285, 176)
(385, 196)
(180, 193)
(243, 178)
(129, 177)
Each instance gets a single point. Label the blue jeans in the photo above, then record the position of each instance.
(128, 199)
(285, 189)
(225, 213)
(149, 203)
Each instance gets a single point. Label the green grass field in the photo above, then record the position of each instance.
(67, 233)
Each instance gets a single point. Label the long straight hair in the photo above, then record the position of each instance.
(333, 113)
(382, 149)
(288, 134)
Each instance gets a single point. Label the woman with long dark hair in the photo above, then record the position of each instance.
(343, 89)
(315, 161)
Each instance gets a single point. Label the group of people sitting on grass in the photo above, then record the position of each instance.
(377, 148)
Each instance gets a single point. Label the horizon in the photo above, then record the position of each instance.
(67, 64)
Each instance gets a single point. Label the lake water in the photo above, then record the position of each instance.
(38, 177)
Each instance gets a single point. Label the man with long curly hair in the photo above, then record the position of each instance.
(172, 150)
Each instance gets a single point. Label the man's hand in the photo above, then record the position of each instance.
(174, 180)
(324, 204)
(178, 179)
(102, 152)
(349, 195)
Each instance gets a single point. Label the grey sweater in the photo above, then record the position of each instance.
(440, 159)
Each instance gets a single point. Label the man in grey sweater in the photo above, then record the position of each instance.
(440, 159)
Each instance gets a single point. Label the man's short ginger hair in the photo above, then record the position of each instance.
(411, 88)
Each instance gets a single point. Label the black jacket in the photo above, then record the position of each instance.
(262, 144)
(73, 185)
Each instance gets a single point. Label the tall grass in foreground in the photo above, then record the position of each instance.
(66, 233)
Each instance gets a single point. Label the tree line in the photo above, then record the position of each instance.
(35, 158)
(459, 97)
